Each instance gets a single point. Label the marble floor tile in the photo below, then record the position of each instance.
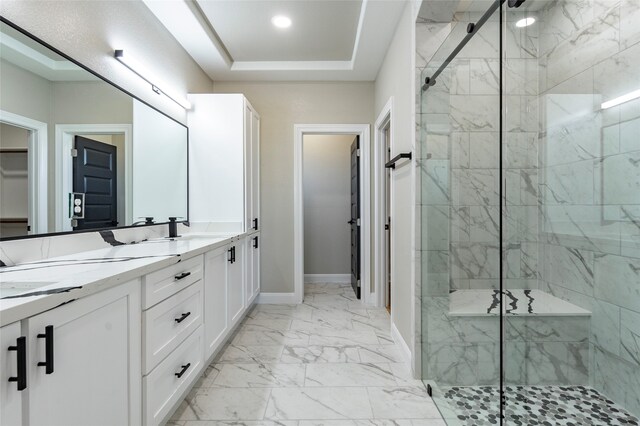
(380, 353)
(349, 375)
(318, 403)
(319, 354)
(234, 354)
(327, 361)
(236, 423)
(270, 338)
(342, 337)
(407, 402)
(228, 404)
(260, 375)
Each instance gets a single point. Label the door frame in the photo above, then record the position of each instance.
(363, 131)
(38, 152)
(64, 170)
(385, 117)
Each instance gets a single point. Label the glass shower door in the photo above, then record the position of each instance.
(459, 162)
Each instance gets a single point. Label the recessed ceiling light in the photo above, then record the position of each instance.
(525, 22)
(281, 21)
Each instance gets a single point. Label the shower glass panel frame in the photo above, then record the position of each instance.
(529, 165)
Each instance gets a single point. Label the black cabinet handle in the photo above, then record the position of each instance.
(184, 370)
(182, 317)
(233, 254)
(21, 349)
(48, 349)
(255, 242)
(182, 275)
(230, 255)
(255, 224)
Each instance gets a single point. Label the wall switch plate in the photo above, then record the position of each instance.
(76, 205)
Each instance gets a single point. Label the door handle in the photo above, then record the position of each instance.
(255, 224)
(21, 349)
(48, 349)
(233, 254)
(182, 317)
(230, 255)
(255, 242)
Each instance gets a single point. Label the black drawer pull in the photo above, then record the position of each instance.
(21, 348)
(182, 275)
(233, 254)
(255, 242)
(255, 224)
(230, 255)
(184, 370)
(182, 317)
(48, 349)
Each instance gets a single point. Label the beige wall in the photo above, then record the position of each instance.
(396, 78)
(281, 105)
(326, 170)
(89, 31)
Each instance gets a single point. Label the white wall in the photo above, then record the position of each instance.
(396, 78)
(89, 31)
(327, 203)
(281, 105)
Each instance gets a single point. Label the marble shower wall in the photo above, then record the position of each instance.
(461, 146)
(589, 53)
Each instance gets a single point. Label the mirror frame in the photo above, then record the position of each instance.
(106, 80)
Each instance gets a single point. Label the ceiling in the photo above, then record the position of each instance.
(340, 40)
(32, 56)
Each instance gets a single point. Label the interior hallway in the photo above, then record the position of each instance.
(329, 361)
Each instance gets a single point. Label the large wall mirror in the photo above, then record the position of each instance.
(78, 153)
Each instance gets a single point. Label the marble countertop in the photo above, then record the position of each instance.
(54, 281)
(515, 302)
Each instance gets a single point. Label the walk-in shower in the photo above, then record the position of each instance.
(529, 157)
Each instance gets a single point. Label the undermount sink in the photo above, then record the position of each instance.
(15, 288)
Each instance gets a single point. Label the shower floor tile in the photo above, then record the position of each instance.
(537, 405)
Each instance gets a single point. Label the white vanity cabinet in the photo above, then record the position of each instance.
(236, 281)
(216, 323)
(84, 361)
(252, 268)
(12, 366)
(224, 157)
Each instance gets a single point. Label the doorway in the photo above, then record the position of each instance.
(331, 209)
(117, 135)
(382, 206)
(362, 237)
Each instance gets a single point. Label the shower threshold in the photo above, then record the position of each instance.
(535, 405)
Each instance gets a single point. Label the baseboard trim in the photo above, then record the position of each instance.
(327, 278)
(276, 298)
(402, 345)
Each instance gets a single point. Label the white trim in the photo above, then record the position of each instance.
(327, 278)
(402, 345)
(38, 152)
(385, 116)
(363, 131)
(276, 299)
(64, 171)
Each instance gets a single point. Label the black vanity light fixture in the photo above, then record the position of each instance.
(138, 69)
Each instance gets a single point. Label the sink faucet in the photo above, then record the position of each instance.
(173, 227)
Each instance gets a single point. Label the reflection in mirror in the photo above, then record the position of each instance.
(77, 153)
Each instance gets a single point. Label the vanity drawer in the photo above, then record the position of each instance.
(163, 388)
(161, 284)
(168, 323)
